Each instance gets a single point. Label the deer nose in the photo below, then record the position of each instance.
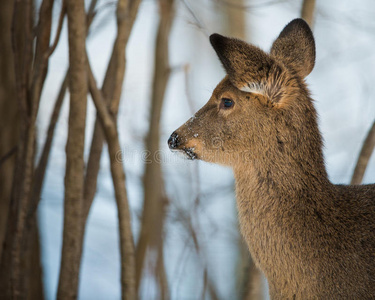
(173, 141)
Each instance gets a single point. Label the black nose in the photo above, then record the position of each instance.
(173, 141)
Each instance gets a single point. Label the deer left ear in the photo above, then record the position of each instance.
(295, 47)
(252, 70)
(247, 66)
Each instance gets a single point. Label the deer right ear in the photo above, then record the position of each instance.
(247, 66)
(295, 47)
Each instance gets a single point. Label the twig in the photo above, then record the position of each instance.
(364, 156)
(198, 23)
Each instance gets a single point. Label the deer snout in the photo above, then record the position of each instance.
(173, 141)
(181, 145)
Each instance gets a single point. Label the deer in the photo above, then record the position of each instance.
(312, 239)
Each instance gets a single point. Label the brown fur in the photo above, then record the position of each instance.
(311, 238)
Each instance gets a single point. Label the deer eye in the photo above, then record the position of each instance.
(226, 103)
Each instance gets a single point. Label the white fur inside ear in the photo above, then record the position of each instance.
(252, 87)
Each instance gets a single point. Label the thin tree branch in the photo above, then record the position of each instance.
(126, 14)
(364, 156)
(198, 21)
(91, 13)
(43, 160)
(161, 273)
(108, 123)
(58, 30)
(43, 35)
(74, 177)
(307, 11)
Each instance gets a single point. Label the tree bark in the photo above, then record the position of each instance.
(364, 157)
(9, 117)
(12, 277)
(307, 11)
(32, 261)
(74, 177)
(152, 222)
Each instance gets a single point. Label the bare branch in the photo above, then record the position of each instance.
(43, 35)
(364, 157)
(198, 22)
(108, 123)
(91, 13)
(111, 89)
(58, 30)
(43, 160)
(90, 17)
(71, 250)
(307, 12)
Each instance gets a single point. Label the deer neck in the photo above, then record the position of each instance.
(281, 177)
(289, 171)
(274, 195)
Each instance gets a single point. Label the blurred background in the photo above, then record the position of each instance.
(183, 213)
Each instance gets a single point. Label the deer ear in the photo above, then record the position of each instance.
(295, 47)
(247, 66)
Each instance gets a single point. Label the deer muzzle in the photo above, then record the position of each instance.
(176, 145)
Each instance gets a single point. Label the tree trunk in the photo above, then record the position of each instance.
(154, 205)
(21, 270)
(74, 176)
(9, 117)
(12, 276)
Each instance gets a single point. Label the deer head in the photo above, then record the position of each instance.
(261, 108)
